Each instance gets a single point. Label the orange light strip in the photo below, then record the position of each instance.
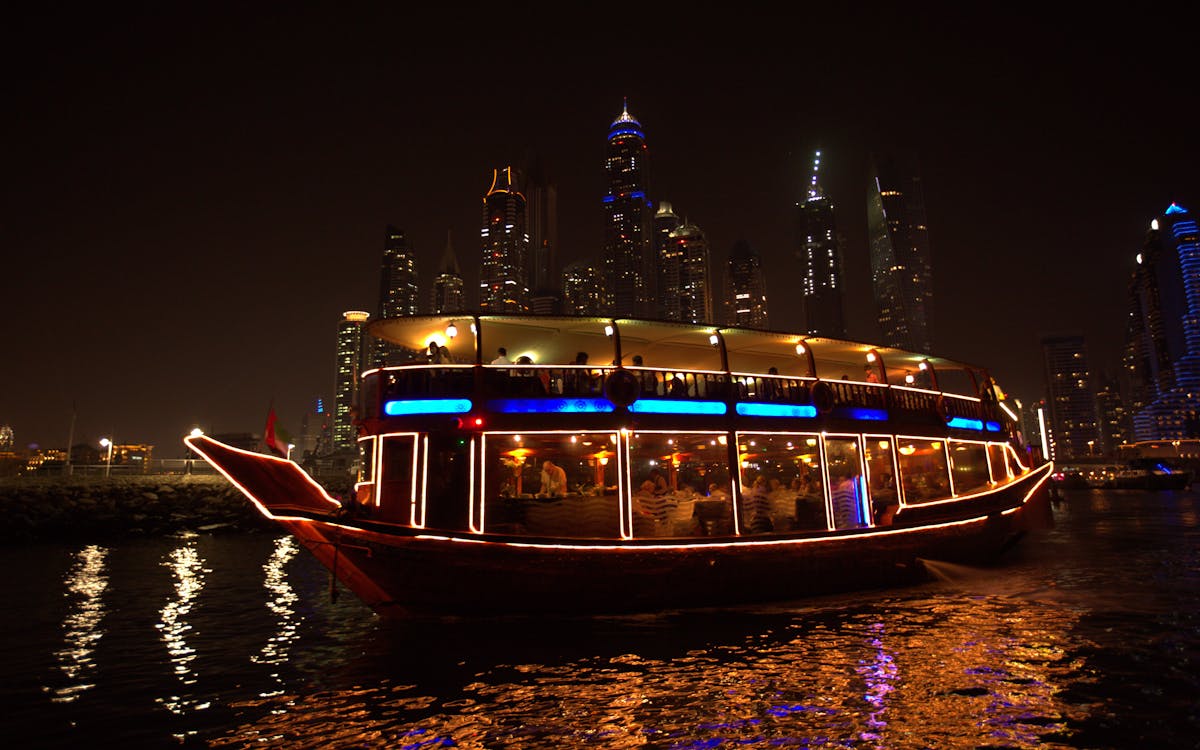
(477, 526)
(419, 522)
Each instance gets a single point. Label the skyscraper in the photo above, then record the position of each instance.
(819, 252)
(448, 284)
(746, 288)
(546, 293)
(581, 294)
(628, 259)
(349, 368)
(690, 299)
(667, 261)
(504, 274)
(901, 267)
(1072, 403)
(1163, 351)
(397, 286)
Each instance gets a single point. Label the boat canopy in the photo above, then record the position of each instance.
(556, 340)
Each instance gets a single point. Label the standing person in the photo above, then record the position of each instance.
(434, 353)
(502, 357)
(554, 480)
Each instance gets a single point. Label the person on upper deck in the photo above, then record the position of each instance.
(501, 357)
(772, 390)
(871, 375)
(647, 380)
(433, 354)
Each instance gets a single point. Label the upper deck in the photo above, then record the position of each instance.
(688, 374)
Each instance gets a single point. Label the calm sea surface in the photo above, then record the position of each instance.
(1086, 635)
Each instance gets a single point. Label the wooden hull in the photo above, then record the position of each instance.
(401, 571)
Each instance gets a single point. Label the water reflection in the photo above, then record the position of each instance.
(189, 571)
(85, 584)
(282, 603)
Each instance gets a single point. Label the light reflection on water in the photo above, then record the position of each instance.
(1088, 636)
(85, 584)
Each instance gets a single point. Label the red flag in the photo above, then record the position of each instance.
(275, 438)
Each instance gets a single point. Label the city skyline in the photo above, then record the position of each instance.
(175, 211)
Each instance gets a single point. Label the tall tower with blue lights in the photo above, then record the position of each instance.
(1163, 353)
(901, 264)
(819, 252)
(504, 272)
(628, 261)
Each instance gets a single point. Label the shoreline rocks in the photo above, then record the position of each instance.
(91, 508)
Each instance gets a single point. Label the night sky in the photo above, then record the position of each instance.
(191, 200)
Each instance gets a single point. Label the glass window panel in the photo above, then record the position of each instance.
(781, 483)
(680, 484)
(969, 462)
(884, 499)
(845, 483)
(552, 485)
(999, 465)
(923, 472)
(448, 473)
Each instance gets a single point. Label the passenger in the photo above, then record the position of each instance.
(434, 353)
(757, 511)
(527, 383)
(678, 388)
(771, 387)
(717, 492)
(646, 380)
(871, 375)
(554, 480)
(846, 513)
(444, 355)
(501, 357)
(660, 482)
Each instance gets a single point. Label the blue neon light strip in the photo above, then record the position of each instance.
(876, 415)
(427, 406)
(625, 131)
(662, 406)
(550, 405)
(962, 423)
(637, 194)
(775, 410)
(609, 198)
(992, 426)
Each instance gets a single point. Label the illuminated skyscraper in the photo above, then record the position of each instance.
(901, 274)
(1163, 352)
(397, 286)
(746, 295)
(667, 271)
(349, 368)
(545, 297)
(628, 252)
(582, 295)
(820, 255)
(448, 284)
(1072, 403)
(690, 299)
(504, 273)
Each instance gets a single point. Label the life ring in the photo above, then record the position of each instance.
(823, 397)
(622, 387)
(939, 406)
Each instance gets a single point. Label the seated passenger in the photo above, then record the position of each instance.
(554, 480)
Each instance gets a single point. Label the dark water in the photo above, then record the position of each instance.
(1087, 635)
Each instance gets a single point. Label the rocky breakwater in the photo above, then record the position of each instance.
(65, 508)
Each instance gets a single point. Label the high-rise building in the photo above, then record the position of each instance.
(349, 368)
(746, 288)
(628, 257)
(901, 266)
(690, 298)
(1163, 350)
(1112, 419)
(667, 262)
(397, 286)
(316, 432)
(504, 273)
(545, 298)
(448, 284)
(1072, 403)
(582, 295)
(819, 252)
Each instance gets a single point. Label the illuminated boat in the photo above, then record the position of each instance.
(674, 466)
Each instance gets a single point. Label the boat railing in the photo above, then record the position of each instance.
(534, 381)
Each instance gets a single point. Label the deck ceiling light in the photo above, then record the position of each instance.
(871, 357)
(714, 340)
(924, 365)
(800, 349)
(451, 330)
(608, 330)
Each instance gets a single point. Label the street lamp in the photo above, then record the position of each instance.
(191, 454)
(106, 443)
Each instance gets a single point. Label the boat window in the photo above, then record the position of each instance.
(396, 462)
(561, 484)
(781, 483)
(996, 459)
(364, 488)
(881, 479)
(923, 473)
(680, 484)
(846, 486)
(447, 478)
(969, 466)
